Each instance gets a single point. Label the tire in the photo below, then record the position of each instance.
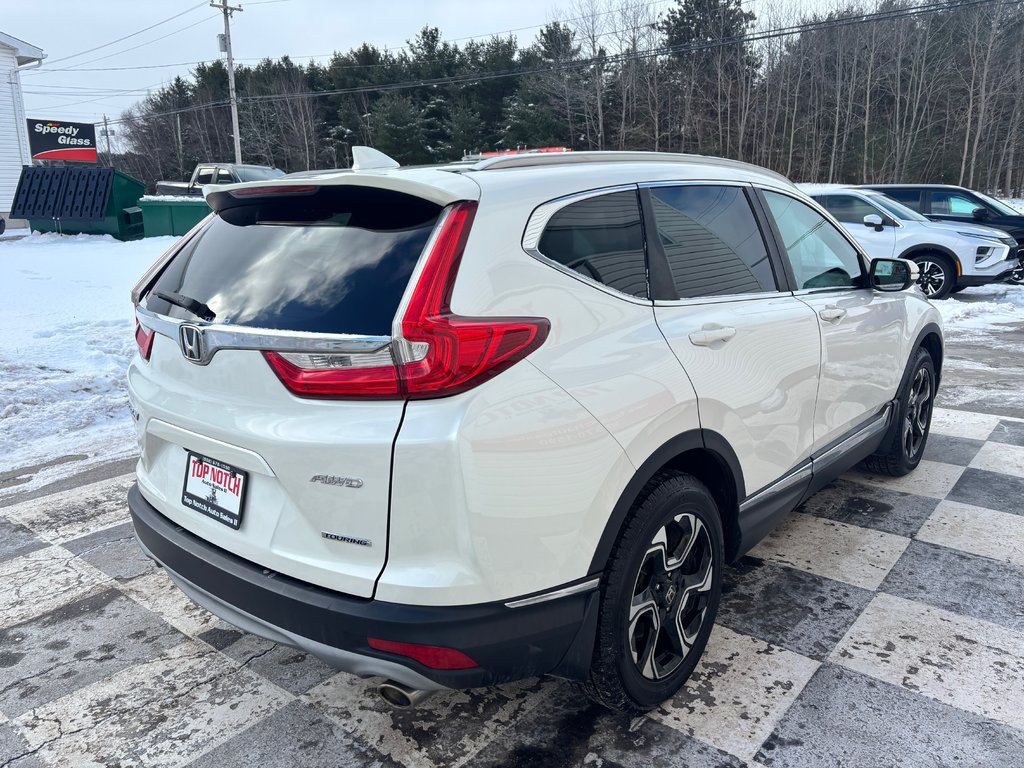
(1016, 277)
(668, 563)
(958, 289)
(903, 447)
(938, 275)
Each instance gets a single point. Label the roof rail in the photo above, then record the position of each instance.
(531, 159)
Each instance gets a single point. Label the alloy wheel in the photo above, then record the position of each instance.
(932, 277)
(919, 408)
(671, 595)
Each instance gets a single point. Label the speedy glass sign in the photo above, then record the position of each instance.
(59, 140)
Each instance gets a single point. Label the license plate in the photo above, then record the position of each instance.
(214, 489)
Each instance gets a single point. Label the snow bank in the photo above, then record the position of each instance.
(982, 310)
(171, 198)
(67, 338)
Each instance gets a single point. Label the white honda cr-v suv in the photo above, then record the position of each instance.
(465, 424)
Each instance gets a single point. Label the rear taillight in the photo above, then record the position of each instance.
(302, 376)
(436, 353)
(144, 338)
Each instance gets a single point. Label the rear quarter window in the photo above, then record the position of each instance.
(601, 238)
(335, 261)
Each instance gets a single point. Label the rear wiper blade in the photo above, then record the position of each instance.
(196, 307)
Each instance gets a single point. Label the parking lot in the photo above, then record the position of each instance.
(882, 624)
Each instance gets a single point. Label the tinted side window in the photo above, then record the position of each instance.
(602, 238)
(953, 204)
(205, 176)
(711, 241)
(818, 254)
(224, 176)
(847, 208)
(909, 197)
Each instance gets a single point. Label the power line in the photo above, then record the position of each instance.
(114, 94)
(133, 34)
(813, 26)
(534, 26)
(383, 49)
(114, 69)
(896, 13)
(148, 42)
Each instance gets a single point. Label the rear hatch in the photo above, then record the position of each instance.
(255, 430)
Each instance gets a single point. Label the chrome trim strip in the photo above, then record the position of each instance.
(869, 430)
(218, 336)
(833, 289)
(875, 425)
(575, 589)
(722, 298)
(786, 481)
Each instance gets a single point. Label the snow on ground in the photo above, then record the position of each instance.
(171, 198)
(68, 334)
(976, 311)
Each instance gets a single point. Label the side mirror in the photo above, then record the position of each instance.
(875, 221)
(979, 214)
(892, 275)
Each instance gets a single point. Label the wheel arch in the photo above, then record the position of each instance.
(924, 248)
(928, 338)
(706, 455)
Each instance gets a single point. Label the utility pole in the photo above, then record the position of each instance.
(107, 133)
(228, 10)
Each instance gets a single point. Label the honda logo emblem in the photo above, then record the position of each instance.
(192, 343)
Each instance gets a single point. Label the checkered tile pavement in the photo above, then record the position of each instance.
(882, 624)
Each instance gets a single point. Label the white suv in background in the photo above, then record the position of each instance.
(472, 423)
(950, 255)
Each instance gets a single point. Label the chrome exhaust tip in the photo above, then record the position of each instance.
(402, 696)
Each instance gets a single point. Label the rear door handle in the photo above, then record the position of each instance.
(709, 334)
(832, 313)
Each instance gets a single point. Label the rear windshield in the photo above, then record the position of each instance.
(335, 261)
(250, 173)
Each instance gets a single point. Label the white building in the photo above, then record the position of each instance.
(15, 54)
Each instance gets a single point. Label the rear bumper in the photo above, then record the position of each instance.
(555, 636)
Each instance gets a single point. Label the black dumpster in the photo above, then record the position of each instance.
(93, 201)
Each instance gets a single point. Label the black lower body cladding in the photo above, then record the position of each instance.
(555, 636)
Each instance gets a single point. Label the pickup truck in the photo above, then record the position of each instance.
(217, 173)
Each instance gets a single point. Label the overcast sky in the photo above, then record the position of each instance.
(299, 28)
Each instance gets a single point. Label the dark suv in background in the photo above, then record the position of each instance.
(943, 202)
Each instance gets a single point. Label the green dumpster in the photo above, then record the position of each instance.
(92, 201)
(172, 215)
